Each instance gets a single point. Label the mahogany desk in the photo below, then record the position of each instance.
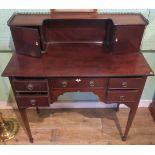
(70, 53)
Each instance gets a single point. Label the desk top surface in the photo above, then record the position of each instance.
(78, 61)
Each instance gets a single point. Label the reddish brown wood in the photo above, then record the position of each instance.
(37, 19)
(77, 11)
(26, 101)
(78, 82)
(122, 96)
(128, 38)
(74, 50)
(71, 30)
(130, 120)
(117, 108)
(78, 61)
(132, 113)
(30, 85)
(152, 110)
(26, 40)
(26, 123)
(126, 83)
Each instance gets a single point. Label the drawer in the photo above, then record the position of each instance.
(30, 85)
(32, 101)
(78, 82)
(122, 96)
(126, 83)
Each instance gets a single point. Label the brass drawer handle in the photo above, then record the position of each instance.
(33, 102)
(122, 98)
(78, 80)
(124, 84)
(91, 83)
(30, 87)
(116, 39)
(64, 84)
(36, 43)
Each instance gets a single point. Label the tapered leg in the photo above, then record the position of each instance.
(129, 122)
(26, 123)
(117, 108)
(38, 110)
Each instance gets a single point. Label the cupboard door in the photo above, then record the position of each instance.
(26, 40)
(128, 38)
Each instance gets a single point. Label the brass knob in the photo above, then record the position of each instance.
(78, 80)
(116, 39)
(124, 84)
(64, 84)
(91, 83)
(122, 98)
(37, 43)
(33, 102)
(30, 86)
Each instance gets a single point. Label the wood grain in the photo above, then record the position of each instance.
(37, 19)
(84, 126)
(79, 61)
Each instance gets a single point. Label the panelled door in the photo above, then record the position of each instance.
(26, 40)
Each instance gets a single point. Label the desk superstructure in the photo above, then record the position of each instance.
(70, 53)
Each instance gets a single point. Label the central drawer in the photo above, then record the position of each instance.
(78, 82)
(30, 85)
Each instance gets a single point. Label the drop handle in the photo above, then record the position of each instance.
(33, 102)
(30, 87)
(64, 84)
(78, 80)
(91, 83)
(116, 40)
(122, 98)
(124, 84)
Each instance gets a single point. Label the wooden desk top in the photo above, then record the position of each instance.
(78, 61)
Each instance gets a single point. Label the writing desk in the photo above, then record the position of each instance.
(93, 60)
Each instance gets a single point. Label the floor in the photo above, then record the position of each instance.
(84, 126)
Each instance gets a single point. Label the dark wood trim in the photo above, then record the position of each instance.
(55, 11)
(143, 51)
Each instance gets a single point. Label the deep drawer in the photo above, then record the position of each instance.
(122, 96)
(78, 82)
(126, 83)
(30, 85)
(32, 101)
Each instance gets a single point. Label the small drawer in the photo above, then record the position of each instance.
(32, 101)
(122, 96)
(30, 85)
(126, 83)
(78, 82)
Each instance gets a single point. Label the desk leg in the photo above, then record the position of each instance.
(117, 108)
(26, 123)
(129, 122)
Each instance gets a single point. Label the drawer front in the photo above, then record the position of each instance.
(126, 83)
(30, 85)
(78, 82)
(122, 96)
(32, 101)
